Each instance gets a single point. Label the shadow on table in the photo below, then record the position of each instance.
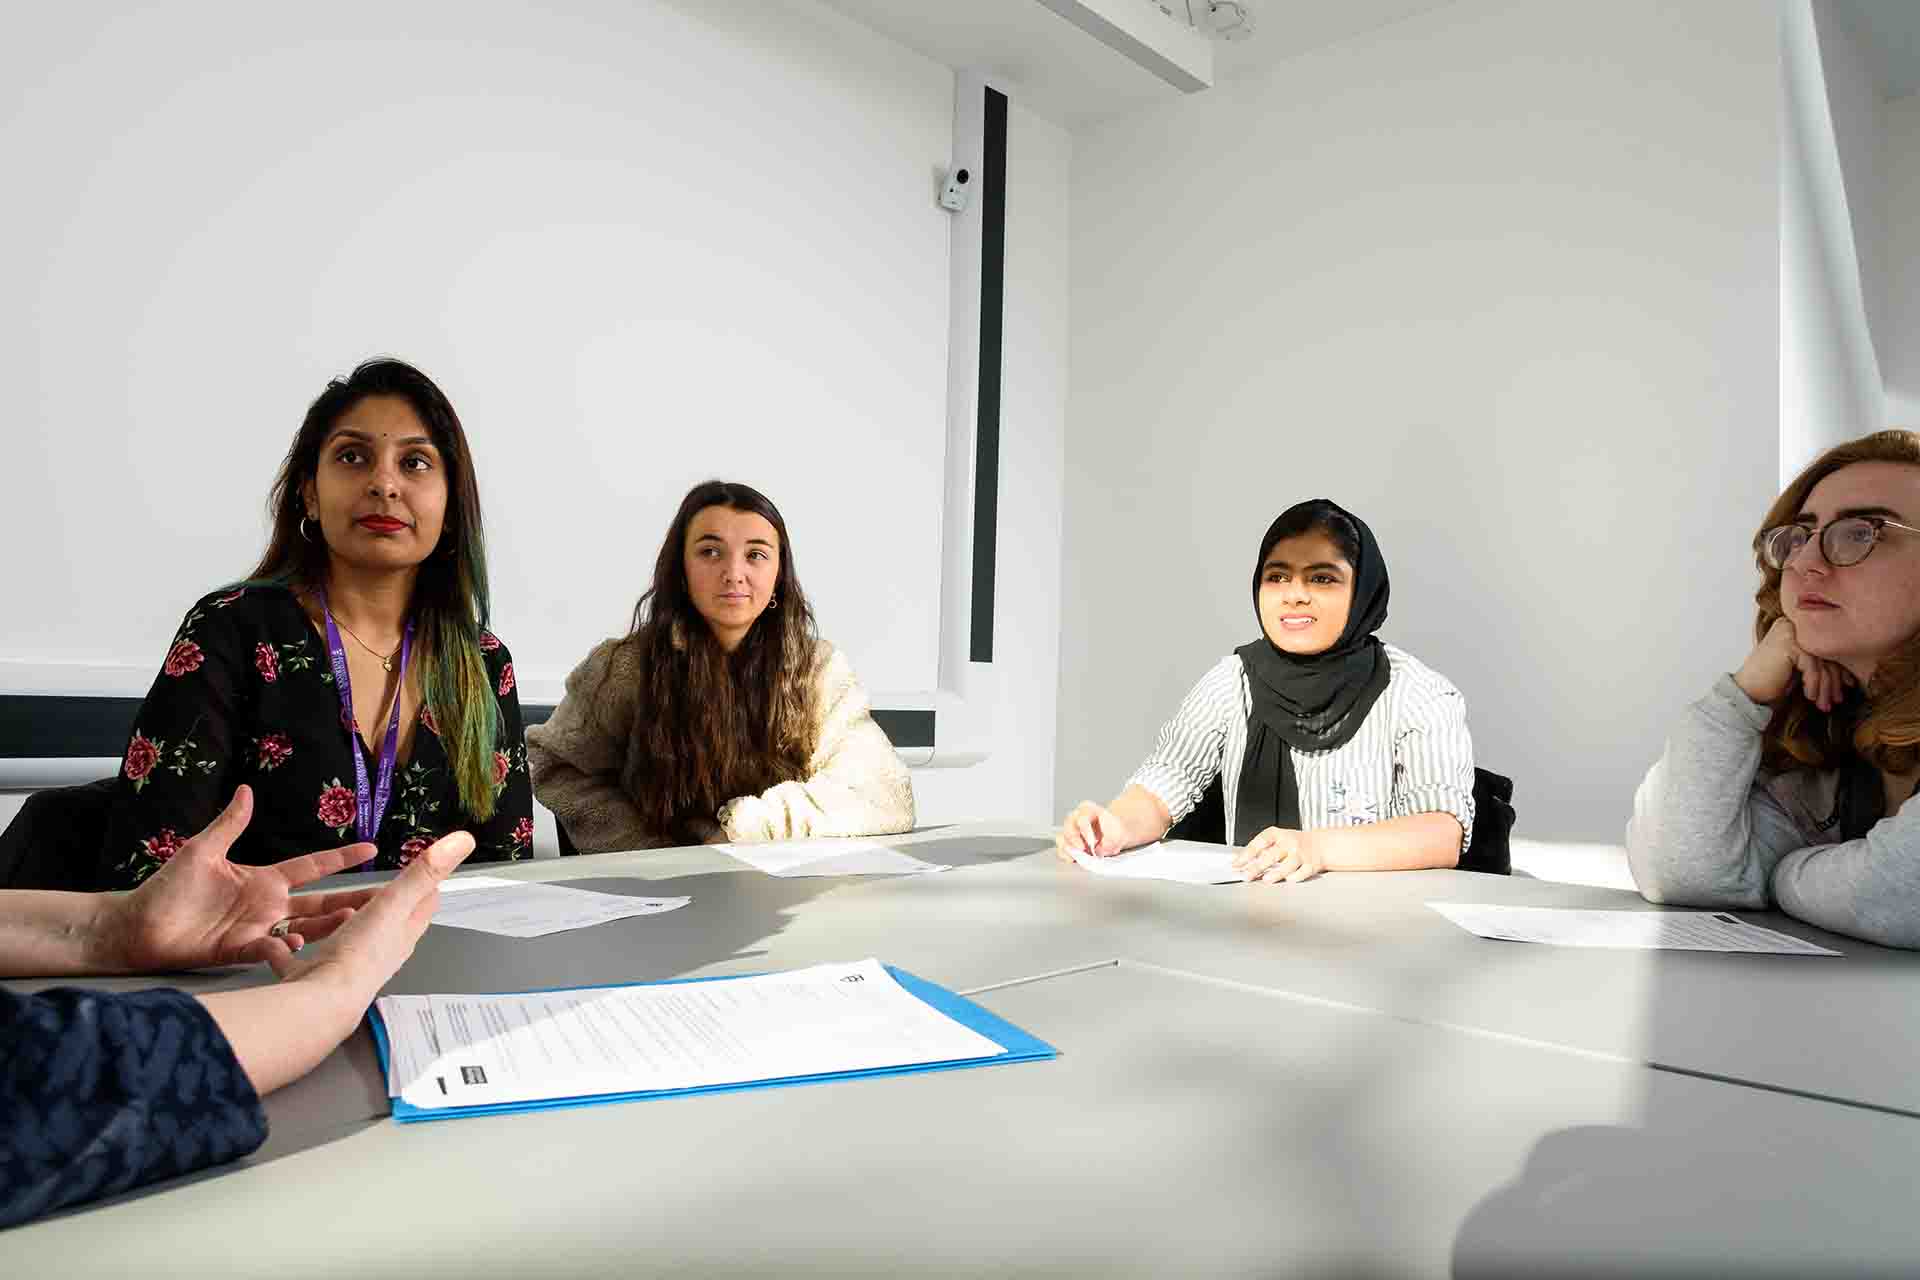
(975, 851)
(1686, 1194)
(731, 916)
(1749, 1157)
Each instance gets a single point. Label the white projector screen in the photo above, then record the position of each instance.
(639, 243)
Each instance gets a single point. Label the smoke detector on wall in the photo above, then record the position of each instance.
(1222, 19)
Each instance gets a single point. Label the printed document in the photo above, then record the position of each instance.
(527, 909)
(456, 1051)
(1633, 930)
(1182, 861)
(828, 857)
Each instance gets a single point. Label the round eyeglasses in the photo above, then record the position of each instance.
(1845, 541)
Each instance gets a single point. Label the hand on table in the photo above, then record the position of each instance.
(1280, 854)
(1768, 674)
(1091, 828)
(200, 909)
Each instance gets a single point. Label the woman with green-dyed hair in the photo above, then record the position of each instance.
(350, 680)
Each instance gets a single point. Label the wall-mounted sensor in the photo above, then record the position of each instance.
(953, 196)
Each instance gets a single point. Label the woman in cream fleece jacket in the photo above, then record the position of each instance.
(721, 715)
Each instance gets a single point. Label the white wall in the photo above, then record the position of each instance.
(641, 242)
(1854, 107)
(1831, 292)
(1016, 779)
(1501, 278)
(1900, 333)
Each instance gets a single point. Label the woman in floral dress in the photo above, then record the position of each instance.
(351, 680)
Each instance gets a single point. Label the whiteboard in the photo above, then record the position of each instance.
(639, 244)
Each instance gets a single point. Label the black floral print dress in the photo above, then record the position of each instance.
(246, 694)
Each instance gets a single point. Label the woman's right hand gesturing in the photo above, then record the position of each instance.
(1768, 674)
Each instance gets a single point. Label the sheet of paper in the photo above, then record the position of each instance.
(412, 1043)
(828, 857)
(564, 1044)
(462, 884)
(526, 909)
(1634, 930)
(1182, 861)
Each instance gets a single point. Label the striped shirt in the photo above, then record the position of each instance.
(1413, 753)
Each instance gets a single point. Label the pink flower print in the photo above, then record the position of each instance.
(523, 833)
(488, 641)
(428, 719)
(336, 807)
(273, 751)
(183, 658)
(142, 755)
(414, 847)
(500, 766)
(266, 662)
(506, 680)
(163, 846)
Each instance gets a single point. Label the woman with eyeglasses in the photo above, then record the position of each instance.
(1791, 783)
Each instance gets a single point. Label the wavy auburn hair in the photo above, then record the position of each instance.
(711, 725)
(450, 602)
(1883, 725)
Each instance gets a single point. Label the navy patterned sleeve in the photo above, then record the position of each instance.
(101, 1092)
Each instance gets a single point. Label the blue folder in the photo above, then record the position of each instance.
(1019, 1046)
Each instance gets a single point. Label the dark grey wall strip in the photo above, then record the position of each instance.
(986, 473)
(51, 727)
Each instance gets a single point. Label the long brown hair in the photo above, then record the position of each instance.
(450, 603)
(1882, 725)
(711, 725)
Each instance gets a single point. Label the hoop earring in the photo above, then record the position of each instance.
(774, 603)
(303, 529)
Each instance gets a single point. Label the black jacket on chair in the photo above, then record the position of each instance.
(57, 840)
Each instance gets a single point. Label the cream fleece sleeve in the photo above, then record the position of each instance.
(855, 785)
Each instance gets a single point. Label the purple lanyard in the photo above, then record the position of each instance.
(367, 810)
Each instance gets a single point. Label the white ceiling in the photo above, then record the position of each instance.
(1065, 75)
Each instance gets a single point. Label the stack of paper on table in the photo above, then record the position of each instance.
(477, 1054)
(530, 909)
(1632, 930)
(828, 857)
(1183, 861)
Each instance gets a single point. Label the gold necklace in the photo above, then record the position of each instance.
(386, 659)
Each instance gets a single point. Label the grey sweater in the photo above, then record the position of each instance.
(1710, 828)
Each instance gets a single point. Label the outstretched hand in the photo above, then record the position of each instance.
(380, 936)
(200, 909)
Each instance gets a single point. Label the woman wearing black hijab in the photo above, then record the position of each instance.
(1336, 751)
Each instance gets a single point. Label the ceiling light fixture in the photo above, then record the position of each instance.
(1221, 19)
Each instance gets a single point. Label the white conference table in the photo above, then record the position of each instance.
(1314, 1079)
